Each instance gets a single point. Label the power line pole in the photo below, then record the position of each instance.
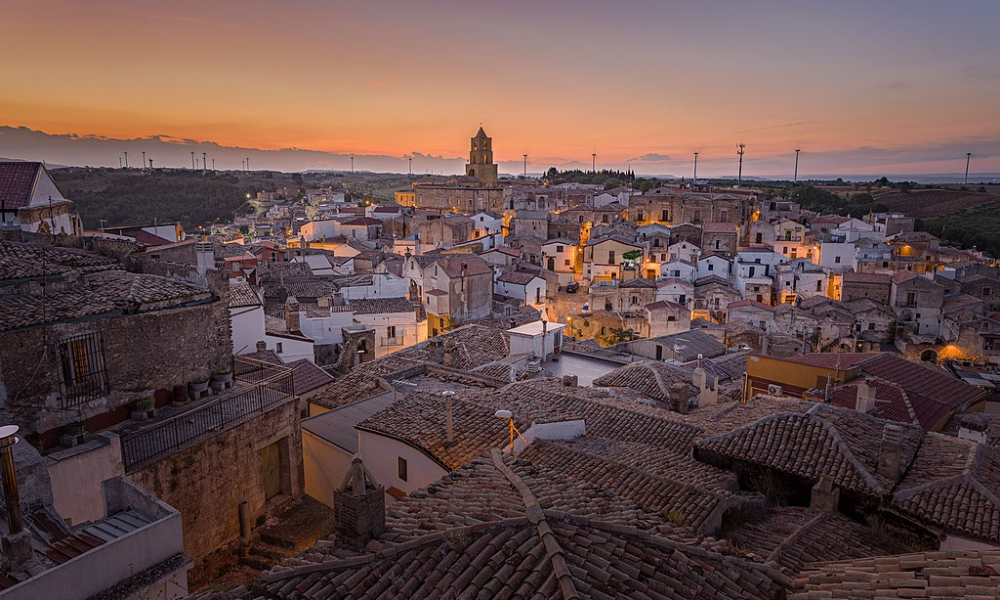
(213, 165)
(192, 160)
(593, 158)
(143, 160)
(795, 177)
(410, 160)
(151, 164)
(525, 173)
(968, 157)
(119, 162)
(126, 160)
(352, 164)
(740, 149)
(204, 162)
(695, 168)
(248, 164)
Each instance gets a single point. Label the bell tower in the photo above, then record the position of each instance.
(481, 165)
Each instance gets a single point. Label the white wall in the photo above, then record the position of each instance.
(380, 454)
(248, 328)
(76, 478)
(317, 230)
(291, 349)
(558, 430)
(406, 330)
(326, 330)
(384, 285)
(325, 466)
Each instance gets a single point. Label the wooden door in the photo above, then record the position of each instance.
(271, 458)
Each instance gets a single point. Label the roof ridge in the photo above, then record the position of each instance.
(659, 380)
(796, 536)
(391, 550)
(537, 518)
(862, 470)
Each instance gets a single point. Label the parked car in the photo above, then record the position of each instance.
(572, 287)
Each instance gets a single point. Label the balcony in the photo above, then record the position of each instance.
(138, 541)
(260, 387)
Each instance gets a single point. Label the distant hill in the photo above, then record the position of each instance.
(925, 204)
(132, 198)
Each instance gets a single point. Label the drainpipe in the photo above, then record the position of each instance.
(11, 495)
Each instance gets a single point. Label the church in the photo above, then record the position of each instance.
(479, 190)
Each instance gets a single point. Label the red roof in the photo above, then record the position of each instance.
(754, 303)
(17, 180)
(843, 361)
(362, 221)
(923, 385)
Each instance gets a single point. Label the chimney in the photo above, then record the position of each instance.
(570, 381)
(435, 350)
(205, 256)
(825, 495)
(449, 432)
(261, 350)
(890, 453)
(448, 355)
(358, 508)
(865, 400)
(292, 314)
(679, 396)
(973, 428)
(708, 390)
(828, 388)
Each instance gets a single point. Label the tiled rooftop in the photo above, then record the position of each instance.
(840, 443)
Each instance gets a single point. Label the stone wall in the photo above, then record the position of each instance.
(208, 482)
(142, 353)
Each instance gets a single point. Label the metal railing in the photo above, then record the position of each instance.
(269, 385)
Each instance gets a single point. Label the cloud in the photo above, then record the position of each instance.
(652, 157)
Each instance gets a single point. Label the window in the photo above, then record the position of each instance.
(671, 319)
(611, 257)
(656, 243)
(724, 217)
(911, 299)
(697, 216)
(401, 468)
(718, 244)
(682, 300)
(871, 327)
(819, 286)
(836, 260)
(538, 295)
(566, 262)
(664, 215)
(560, 248)
(604, 330)
(278, 348)
(711, 267)
(753, 271)
(390, 332)
(635, 299)
(987, 291)
(83, 374)
(604, 219)
(236, 267)
(640, 217)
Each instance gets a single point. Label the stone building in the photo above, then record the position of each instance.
(477, 191)
(81, 339)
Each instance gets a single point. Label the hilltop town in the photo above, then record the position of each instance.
(495, 387)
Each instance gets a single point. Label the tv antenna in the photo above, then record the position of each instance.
(506, 414)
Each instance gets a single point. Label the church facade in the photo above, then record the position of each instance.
(479, 190)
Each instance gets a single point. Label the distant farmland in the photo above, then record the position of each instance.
(925, 204)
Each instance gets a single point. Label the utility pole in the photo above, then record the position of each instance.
(740, 150)
(795, 177)
(695, 169)
(248, 164)
(192, 160)
(593, 158)
(151, 164)
(213, 165)
(525, 174)
(410, 160)
(968, 157)
(119, 162)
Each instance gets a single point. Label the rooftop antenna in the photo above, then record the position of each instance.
(449, 436)
(795, 176)
(509, 416)
(968, 157)
(740, 149)
(695, 167)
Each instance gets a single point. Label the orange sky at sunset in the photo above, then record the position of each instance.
(909, 86)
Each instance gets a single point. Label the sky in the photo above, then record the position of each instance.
(873, 86)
